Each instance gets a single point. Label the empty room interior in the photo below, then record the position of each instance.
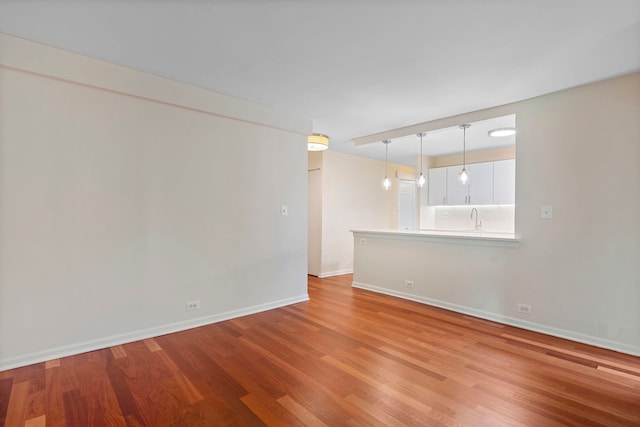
(320, 213)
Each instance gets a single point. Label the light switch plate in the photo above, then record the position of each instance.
(546, 212)
(284, 210)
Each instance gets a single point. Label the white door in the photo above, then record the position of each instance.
(407, 205)
(314, 251)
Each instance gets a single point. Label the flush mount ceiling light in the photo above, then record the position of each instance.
(421, 181)
(317, 142)
(386, 183)
(502, 132)
(464, 174)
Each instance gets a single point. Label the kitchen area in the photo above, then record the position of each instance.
(482, 154)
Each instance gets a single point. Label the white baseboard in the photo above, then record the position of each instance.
(335, 273)
(507, 320)
(100, 343)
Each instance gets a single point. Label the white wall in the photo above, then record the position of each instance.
(353, 197)
(579, 151)
(124, 195)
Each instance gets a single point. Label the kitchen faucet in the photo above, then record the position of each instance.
(477, 227)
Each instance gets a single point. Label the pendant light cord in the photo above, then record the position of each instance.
(386, 158)
(464, 146)
(386, 183)
(421, 135)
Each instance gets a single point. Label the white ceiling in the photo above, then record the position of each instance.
(355, 67)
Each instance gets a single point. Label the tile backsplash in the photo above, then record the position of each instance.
(495, 218)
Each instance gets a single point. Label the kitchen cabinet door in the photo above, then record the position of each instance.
(456, 191)
(504, 182)
(480, 184)
(437, 186)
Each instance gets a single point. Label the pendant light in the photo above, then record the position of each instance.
(421, 181)
(464, 174)
(386, 183)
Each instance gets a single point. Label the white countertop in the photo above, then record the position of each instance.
(448, 236)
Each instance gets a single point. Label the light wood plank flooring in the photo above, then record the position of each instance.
(347, 357)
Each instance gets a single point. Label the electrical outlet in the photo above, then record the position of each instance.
(525, 308)
(408, 284)
(193, 305)
(363, 241)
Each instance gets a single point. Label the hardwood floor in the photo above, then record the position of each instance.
(346, 357)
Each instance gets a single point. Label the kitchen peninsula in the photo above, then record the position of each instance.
(463, 271)
(482, 238)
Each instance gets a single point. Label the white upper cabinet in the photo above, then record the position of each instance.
(489, 183)
(437, 186)
(480, 184)
(504, 182)
(456, 192)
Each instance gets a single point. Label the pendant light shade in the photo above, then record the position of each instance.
(421, 181)
(464, 173)
(386, 182)
(464, 176)
(317, 142)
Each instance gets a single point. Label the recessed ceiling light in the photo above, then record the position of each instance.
(502, 132)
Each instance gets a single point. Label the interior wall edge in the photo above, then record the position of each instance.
(508, 320)
(101, 343)
(45, 61)
(324, 275)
